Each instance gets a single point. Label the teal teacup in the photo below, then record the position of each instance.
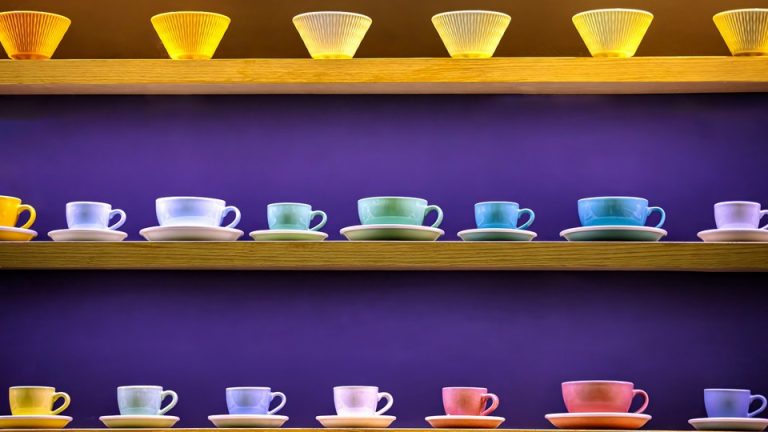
(293, 216)
(501, 214)
(611, 210)
(396, 211)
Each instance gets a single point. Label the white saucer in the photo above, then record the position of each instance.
(248, 420)
(373, 421)
(16, 234)
(87, 235)
(139, 421)
(288, 235)
(190, 233)
(734, 235)
(496, 234)
(34, 421)
(391, 232)
(729, 423)
(465, 421)
(614, 233)
(610, 420)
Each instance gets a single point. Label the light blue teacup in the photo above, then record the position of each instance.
(293, 216)
(144, 400)
(600, 211)
(253, 400)
(396, 210)
(196, 211)
(92, 215)
(501, 214)
(732, 403)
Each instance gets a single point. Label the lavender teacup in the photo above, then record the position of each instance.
(739, 214)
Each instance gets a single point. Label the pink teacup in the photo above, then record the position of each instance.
(468, 401)
(601, 396)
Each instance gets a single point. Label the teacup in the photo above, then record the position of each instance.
(144, 400)
(731, 403)
(396, 210)
(253, 400)
(739, 214)
(92, 215)
(631, 211)
(294, 216)
(601, 396)
(501, 214)
(36, 400)
(11, 208)
(360, 400)
(195, 211)
(470, 401)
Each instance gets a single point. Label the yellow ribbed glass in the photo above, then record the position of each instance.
(30, 35)
(190, 35)
(745, 31)
(330, 34)
(612, 32)
(471, 33)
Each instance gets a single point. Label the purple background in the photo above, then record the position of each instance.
(518, 333)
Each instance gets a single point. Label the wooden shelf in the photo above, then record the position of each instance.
(343, 255)
(289, 429)
(545, 75)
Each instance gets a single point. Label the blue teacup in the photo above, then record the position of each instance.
(501, 214)
(293, 216)
(731, 403)
(92, 215)
(144, 400)
(600, 211)
(253, 400)
(390, 210)
(196, 211)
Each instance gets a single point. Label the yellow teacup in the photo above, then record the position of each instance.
(11, 208)
(36, 400)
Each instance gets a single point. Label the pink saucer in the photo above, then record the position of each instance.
(598, 420)
(465, 421)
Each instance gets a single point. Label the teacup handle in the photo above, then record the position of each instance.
(762, 407)
(236, 211)
(390, 401)
(280, 406)
(61, 395)
(439, 211)
(642, 392)
(763, 213)
(493, 398)
(174, 400)
(32, 216)
(120, 222)
(661, 212)
(531, 217)
(321, 223)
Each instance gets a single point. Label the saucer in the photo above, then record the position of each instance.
(248, 420)
(729, 423)
(734, 235)
(87, 235)
(288, 235)
(611, 420)
(16, 234)
(614, 233)
(190, 233)
(139, 421)
(465, 421)
(496, 234)
(34, 421)
(391, 232)
(371, 421)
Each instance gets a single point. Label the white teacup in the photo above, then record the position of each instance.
(196, 211)
(739, 214)
(360, 400)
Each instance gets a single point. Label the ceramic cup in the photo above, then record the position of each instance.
(396, 210)
(36, 400)
(144, 400)
(600, 211)
(360, 400)
(501, 214)
(739, 214)
(601, 396)
(196, 211)
(92, 215)
(11, 208)
(253, 400)
(469, 401)
(731, 403)
(294, 216)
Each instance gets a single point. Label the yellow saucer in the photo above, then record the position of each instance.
(34, 421)
(16, 234)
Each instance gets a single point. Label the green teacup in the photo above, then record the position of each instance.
(396, 210)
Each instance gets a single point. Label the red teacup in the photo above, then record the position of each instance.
(601, 396)
(468, 401)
